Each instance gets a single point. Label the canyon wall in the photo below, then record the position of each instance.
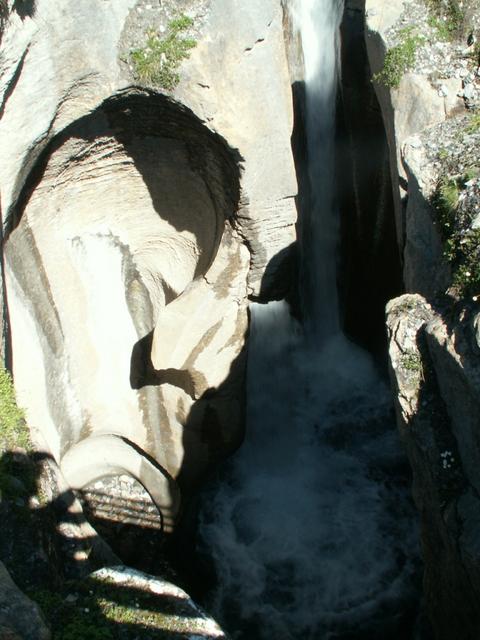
(433, 329)
(137, 224)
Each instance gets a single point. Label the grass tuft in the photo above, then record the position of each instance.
(13, 429)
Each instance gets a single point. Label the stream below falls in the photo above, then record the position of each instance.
(309, 527)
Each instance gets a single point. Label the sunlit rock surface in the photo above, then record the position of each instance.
(169, 610)
(135, 220)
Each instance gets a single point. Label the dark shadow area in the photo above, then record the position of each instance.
(13, 81)
(449, 605)
(50, 550)
(142, 372)
(6, 338)
(279, 281)
(24, 8)
(206, 444)
(370, 264)
(298, 142)
(130, 118)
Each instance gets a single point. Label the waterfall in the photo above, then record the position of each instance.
(309, 527)
(318, 22)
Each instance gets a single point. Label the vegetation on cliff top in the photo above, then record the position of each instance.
(157, 62)
(430, 22)
(399, 59)
(447, 17)
(460, 235)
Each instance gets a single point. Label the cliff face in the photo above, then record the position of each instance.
(433, 330)
(137, 222)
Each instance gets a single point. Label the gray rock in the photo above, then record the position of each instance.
(468, 91)
(437, 383)
(20, 618)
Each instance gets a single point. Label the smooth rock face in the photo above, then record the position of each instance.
(237, 80)
(136, 221)
(435, 375)
(425, 270)
(20, 618)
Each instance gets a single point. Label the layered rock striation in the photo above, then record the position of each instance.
(137, 223)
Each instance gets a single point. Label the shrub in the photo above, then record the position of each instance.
(399, 59)
(158, 61)
(460, 241)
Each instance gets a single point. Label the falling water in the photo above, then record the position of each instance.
(309, 527)
(318, 22)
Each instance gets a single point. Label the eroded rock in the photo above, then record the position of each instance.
(436, 379)
(133, 219)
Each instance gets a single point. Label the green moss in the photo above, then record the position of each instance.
(399, 59)
(411, 361)
(158, 61)
(17, 477)
(13, 429)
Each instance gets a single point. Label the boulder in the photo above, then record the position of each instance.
(20, 618)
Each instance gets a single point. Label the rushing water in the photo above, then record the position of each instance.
(309, 527)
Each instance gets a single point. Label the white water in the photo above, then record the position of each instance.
(318, 22)
(310, 528)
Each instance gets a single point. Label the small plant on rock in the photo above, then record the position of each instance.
(399, 59)
(157, 62)
(446, 17)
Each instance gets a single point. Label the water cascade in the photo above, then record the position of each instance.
(309, 526)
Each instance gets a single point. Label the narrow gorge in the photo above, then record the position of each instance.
(206, 208)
